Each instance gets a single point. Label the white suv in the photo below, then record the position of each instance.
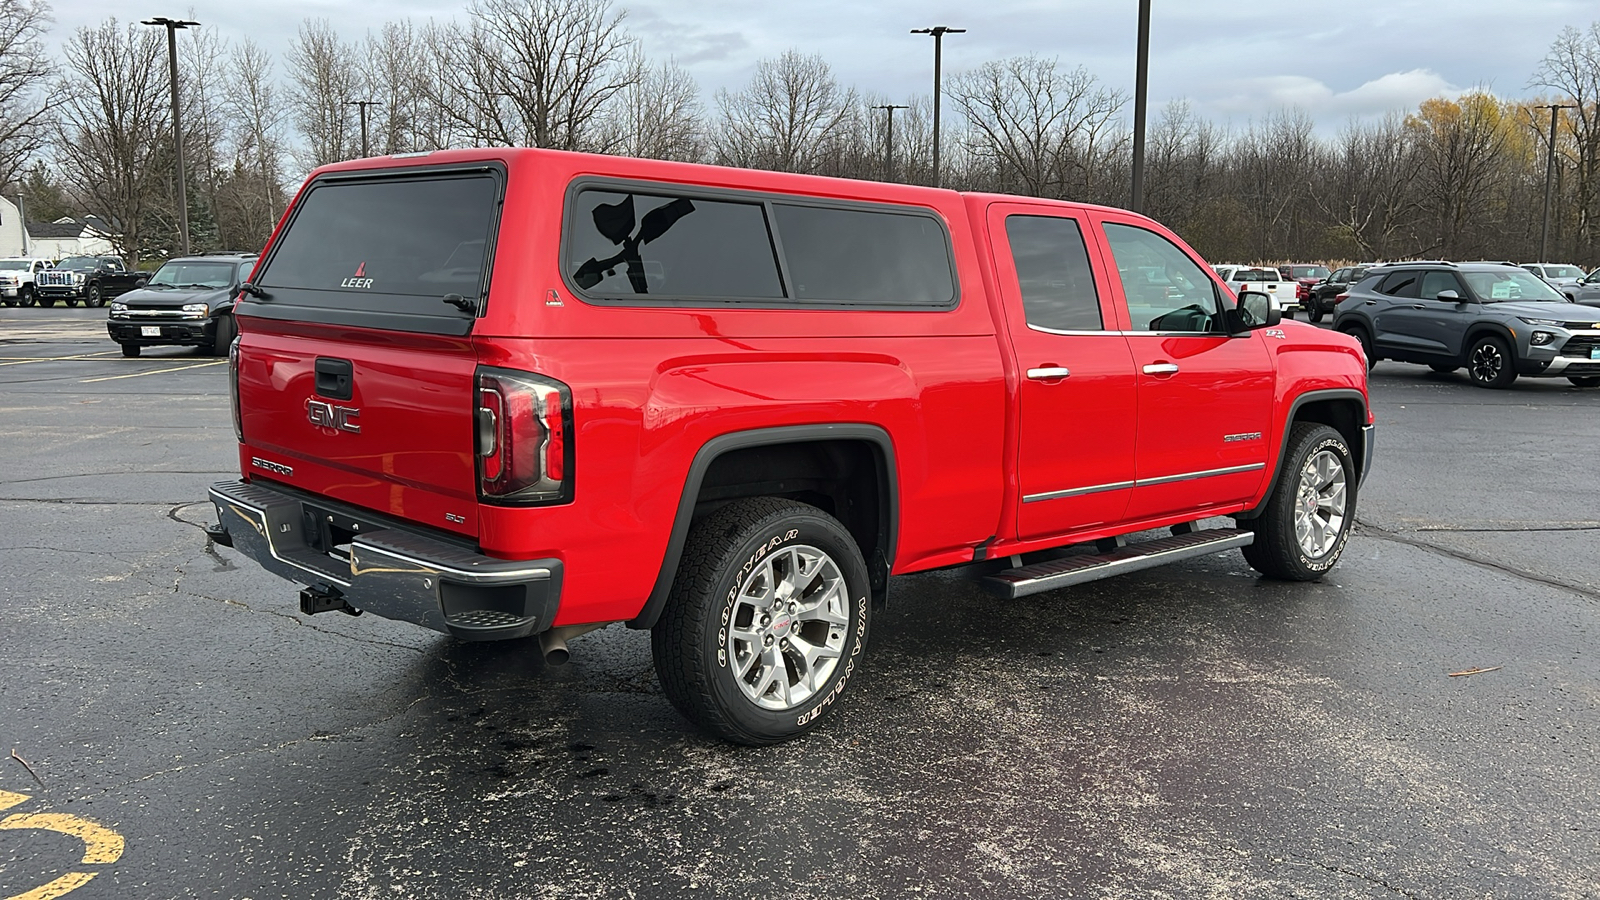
(16, 279)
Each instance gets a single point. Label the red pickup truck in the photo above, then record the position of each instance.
(514, 392)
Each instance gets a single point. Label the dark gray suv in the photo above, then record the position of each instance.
(1499, 321)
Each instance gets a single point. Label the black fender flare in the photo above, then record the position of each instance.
(739, 440)
(1479, 329)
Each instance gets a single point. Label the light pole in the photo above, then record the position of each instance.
(363, 104)
(938, 32)
(888, 154)
(1549, 174)
(1140, 90)
(172, 26)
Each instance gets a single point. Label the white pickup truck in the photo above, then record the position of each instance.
(1266, 280)
(16, 279)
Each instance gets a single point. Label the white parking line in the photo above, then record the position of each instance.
(215, 362)
(24, 360)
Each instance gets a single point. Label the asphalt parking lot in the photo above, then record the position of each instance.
(170, 726)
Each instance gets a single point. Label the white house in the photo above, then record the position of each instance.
(12, 235)
(63, 237)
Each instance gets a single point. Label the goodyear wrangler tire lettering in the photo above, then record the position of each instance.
(767, 620)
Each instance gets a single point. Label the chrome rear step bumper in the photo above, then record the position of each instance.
(390, 572)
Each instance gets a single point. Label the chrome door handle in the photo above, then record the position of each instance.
(1046, 373)
(1418, 306)
(1161, 369)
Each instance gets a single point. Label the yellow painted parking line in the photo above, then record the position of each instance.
(215, 362)
(24, 360)
(101, 845)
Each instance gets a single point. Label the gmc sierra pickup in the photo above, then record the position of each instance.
(729, 405)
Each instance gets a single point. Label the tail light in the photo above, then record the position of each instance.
(523, 437)
(1341, 298)
(233, 389)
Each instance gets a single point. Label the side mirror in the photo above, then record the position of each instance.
(1252, 310)
(1449, 297)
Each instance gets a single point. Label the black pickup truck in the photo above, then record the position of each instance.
(91, 279)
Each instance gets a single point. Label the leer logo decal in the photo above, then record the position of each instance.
(357, 280)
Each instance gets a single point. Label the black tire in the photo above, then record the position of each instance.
(1585, 380)
(130, 349)
(696, 644)
(1278, 551)
(93, 297)
(45, 302)
(9, 301)
(1443, 368)
(25, 294)
(1314, 313)
(1490, 364)
(224, 335)
(1359, 332)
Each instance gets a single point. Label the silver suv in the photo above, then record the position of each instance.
(1499, 321)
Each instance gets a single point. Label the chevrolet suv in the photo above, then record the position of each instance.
(1499, 321)
(188, 303)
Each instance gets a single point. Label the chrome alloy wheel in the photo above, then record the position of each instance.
(1320, 504)
(787, 630)
(1487, 362)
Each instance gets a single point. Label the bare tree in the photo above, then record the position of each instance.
(1045, 131)
(659, 116)
(789, 119)
(25, 71)
(1460, 144)
(112, 127)
(539, 73)
(324, 80)
(1572, 67)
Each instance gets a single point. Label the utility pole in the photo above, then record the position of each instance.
(1549, 175)
(938, 32)
(172, 26)
(363, 104)
(888, 155)
(1140, 91)
(22, 213)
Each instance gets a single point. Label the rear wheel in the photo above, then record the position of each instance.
(1307, 521)
(1314, 313)
(1489, 363)
(25, 295)
(766, 622)
(1585, 380)
(130, 349)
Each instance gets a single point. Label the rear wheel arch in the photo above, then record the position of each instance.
(1342, 409)
(847, 470)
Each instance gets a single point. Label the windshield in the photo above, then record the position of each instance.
(1495, 287)
(1309, 271)
(193, 275)
(1563, 272)
(12, 265)
(78, 262)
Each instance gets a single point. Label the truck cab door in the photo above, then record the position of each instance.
(1076, 398)
(1205, 396)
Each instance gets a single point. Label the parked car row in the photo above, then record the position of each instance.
(90, 280)
(1497, 320)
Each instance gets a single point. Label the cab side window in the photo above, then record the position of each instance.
(1058, 292)
(1435, 283)
(1402, 284)
(1165, 289)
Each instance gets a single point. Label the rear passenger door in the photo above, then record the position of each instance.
(1077, 407)
(1205, 397)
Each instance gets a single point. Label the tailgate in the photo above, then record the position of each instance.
(356, 363)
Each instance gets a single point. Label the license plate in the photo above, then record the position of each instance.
(150, 331)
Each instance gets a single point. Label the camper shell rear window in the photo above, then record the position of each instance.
(402, 250)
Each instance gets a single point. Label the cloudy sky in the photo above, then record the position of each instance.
(1233, 60)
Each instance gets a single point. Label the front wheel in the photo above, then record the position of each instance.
(93, 297)
(25, 295)
(1306, 523)
(1489, 363)
(766, 623)
(1314, 313)
(224, 335)
(46, 302)
(130, 350)
(1585, 380)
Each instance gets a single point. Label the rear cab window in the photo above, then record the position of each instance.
(402, 250)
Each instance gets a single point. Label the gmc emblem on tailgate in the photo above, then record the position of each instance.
(339, 418)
